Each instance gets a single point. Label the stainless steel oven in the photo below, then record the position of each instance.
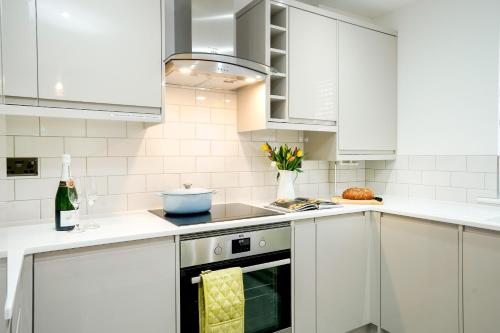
(263, 253)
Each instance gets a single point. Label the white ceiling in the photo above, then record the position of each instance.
(367, 8)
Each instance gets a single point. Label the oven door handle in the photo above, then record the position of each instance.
(254, 268)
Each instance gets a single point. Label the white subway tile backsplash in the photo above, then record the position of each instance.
(62, 127)
(210, 99)
(224, 148)
(491, 181)
(164, 182)
(400, 163)
(201, 179)
(109, 204)
(106, 129)
(467, 180)
(179, 164)
(179, 131)
(106, 166)
(126, 147)
(232, 134)
(436, 178)
(409, 176)
(264, 194)
(268, 135)
(401, 190)
(22, 125)
(422, 191)
(473, 194)
(162, 147)
(144, 165)
(238, 164)
(86, 146)
(239, 194)
(210, 164)
(13, 211)
(318, 176)
(6, 190)
(30, 189)
(144, 130)
(172, 113)
(126, 184)
(481, 163)
(419, 162)
(223, 116)
(224, 179)
(451, 163)
(51, 167)
(230, 101)
(210, 131)
(142, 201)
(195, 148)
(248, 179)
(180, 96)
(30, 146)
(385, 176)
(451, 194)
(194, 114)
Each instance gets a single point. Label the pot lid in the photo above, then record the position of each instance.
(188, 190)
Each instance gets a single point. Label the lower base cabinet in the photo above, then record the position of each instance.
(481, 280)
(336, 274)
(419, 276)
(126, 287)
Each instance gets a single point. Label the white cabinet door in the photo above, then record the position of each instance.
(94, 53)
(22, 313)
(3, 291)
(19, 57)
(312, 66)
(419, 276)
(367, 89)
(127, 288)
(304, 276)
(481, 276)
(347, 273)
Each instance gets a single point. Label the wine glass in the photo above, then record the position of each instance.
(91, 194)
(74, 198)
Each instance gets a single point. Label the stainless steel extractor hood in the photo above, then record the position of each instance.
(200, 40)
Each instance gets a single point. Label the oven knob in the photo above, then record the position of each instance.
(262, 243)
(218, 251)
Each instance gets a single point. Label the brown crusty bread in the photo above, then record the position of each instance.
(357, 193)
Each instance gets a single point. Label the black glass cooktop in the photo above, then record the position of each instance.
(218, 213)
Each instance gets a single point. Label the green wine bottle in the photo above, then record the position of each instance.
(66, 199)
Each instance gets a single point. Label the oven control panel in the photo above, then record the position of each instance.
(240, 245)
(198, 251)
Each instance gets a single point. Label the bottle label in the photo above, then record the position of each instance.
(69, 218)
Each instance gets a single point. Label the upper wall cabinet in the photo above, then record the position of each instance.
(75, 57)
(312, 67)
(368, 91)
(367, 129)
(19, 59)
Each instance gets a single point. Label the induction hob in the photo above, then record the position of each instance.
(218, 213)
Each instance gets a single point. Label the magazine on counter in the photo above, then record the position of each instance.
(301, 204)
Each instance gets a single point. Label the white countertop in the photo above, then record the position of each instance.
(15, 242)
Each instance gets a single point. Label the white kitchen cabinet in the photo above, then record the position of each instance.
(22, 312)
(304, 276)
(126, 287)
(347, 273)
(367, 91)
(481, 276)
(312, 67)
(419, 276)
(3, 292)
(100, 55)
(19, 51)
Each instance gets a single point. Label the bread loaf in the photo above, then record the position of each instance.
(357, 193)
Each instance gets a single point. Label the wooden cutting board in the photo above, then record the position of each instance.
(343, 201)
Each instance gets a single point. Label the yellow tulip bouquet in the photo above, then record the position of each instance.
(285, 157)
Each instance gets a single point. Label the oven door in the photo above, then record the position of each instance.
(267, 284)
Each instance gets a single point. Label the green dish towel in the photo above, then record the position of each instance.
(221, 301)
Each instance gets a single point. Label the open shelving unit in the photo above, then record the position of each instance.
(278, 59)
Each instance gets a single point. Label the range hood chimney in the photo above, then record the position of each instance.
(200, 40)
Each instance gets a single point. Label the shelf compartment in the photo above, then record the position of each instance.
(278, 86)
(278, 109)
(278, 40)
(278, 15)
(279, 63)
(275, 98)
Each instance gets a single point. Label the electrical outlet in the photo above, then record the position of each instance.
(22, 166)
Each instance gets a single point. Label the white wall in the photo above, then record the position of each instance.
(448, 76)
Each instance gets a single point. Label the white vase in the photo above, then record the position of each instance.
(285, 184)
